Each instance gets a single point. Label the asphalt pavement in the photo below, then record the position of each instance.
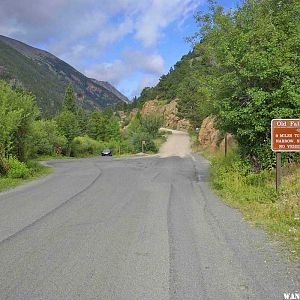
(133, 228)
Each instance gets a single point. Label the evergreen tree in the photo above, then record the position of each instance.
(97, 126)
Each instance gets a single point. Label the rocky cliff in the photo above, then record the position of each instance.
(210, 138)
(169, 112)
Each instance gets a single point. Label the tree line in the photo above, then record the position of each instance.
(73, 131)
(244, 70)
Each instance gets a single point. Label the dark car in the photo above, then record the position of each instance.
(106, 152)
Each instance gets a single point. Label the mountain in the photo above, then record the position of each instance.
(47, 77)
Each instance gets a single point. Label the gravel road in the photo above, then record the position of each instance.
(178, 144)
(133, 228)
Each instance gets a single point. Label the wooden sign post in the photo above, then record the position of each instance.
(278, 170)
(225, 144)
(143, 145)
(285, 137)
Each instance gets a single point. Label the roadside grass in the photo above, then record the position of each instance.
(36, 171)
(255, 196)
(53, 157)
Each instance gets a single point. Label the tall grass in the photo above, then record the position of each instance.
(255, 195)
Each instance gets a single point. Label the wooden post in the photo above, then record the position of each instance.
(143, 142)
(278, 170)
(225, 144)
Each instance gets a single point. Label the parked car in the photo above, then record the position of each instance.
(106, 152)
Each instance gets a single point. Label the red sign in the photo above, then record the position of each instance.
(285, 135)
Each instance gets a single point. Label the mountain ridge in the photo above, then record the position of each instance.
(47, 77)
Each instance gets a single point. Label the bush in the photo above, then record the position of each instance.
(85, 146)
(17, 169)
(136, 141)
(144, 129)
(151, 124)
(126, 147)
(35, 167)
(18, 109)
(233, 178)
(45, 137)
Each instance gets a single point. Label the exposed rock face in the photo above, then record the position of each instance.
(169, 113)
(210, 137)
(183, 125)
(171, 119)
(149, 107)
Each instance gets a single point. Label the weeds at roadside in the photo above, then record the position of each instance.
(255, 195)
(35, 170)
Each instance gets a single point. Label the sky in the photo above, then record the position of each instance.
(129, 43)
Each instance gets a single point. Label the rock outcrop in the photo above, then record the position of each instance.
(169, 112)
(152, 107)
(210, 138)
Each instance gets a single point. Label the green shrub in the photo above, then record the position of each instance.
(35, 167)
(136, 141)
(18, 109)
(126, 147)
(45, 137)
(85, 146)
(17, 169)
(151, 124)
(235, 181)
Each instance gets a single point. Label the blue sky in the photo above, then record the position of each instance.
(129, 43)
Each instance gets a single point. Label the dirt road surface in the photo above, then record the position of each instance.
(178, 144)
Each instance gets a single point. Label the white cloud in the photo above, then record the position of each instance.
(110, 33)
(112, 72)
(150, 63)
(35, 21)
(143, 69)
(80, 31)
(131, 63)
(159, 15)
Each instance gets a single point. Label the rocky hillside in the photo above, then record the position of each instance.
(210, 138)
(47, 77)
(169, 112)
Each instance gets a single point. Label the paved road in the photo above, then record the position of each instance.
(141, 228)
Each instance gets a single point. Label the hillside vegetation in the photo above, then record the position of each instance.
(47, 77)
(244, 69)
